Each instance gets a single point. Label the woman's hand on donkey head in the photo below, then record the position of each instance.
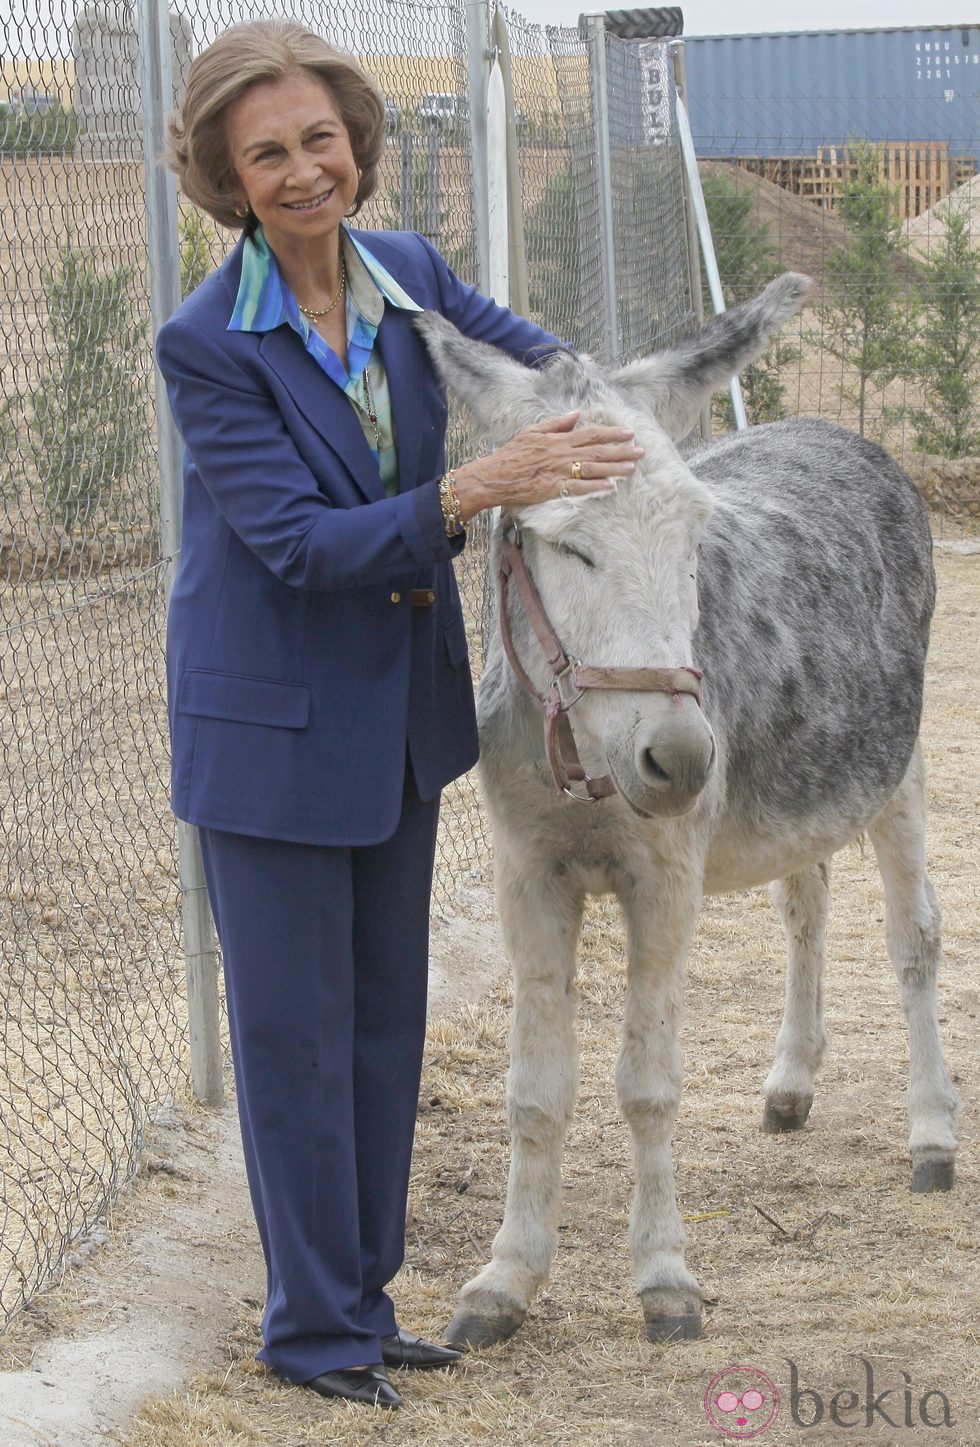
(554, 458)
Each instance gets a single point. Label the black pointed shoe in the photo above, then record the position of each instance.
(404, 1349)
(370, 1386)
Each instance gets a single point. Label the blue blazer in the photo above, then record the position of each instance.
(299, 673)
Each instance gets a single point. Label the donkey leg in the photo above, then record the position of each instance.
(914, 944)
(802, 901)
(541, 918)
(649, 1072)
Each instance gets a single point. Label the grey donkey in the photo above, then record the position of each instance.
(791, 567)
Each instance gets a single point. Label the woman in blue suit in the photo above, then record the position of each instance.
(319, 689)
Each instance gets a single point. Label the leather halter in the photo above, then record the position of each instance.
(559, 741)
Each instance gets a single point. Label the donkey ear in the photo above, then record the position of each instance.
(487, 381)
(675, 385)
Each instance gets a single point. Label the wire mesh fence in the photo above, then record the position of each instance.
(89, 910)
(867, 181)
(93, 994)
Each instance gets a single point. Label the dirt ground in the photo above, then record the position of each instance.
(816, 1262)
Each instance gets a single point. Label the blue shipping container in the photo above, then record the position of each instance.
(787, 95)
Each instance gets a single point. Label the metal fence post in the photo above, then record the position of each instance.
(432, 228)
(478, 67)
(200, 955)
(600, 101)
(407, 171)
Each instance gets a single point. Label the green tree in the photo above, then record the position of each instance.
(944, 358)
(197, 237)
(865, 316)
(747, 262)
(746, 257)
(9, 455)
(45, 132)
(422, 208)
(554, 234)
(85, 420)
(551, 241)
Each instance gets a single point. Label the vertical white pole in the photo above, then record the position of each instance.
(499, 279)
(478, 69)
(600, 101)
(200, 955)
(517, 277)
(676, 48)
(707, 245)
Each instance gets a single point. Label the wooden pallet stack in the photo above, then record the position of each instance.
(919, 172)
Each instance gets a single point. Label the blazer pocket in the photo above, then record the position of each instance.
(240, 699)
(455, 636)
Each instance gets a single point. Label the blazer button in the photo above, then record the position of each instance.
(396, 597)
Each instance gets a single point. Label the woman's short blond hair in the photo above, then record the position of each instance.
(197, 143)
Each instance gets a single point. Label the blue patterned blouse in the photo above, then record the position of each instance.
(265, 302)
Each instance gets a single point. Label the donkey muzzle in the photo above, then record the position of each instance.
(672, 757)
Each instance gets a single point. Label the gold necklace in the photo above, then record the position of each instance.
(372, 411)
(315, 316)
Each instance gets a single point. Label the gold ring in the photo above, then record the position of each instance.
(563, 491)
(577, 470)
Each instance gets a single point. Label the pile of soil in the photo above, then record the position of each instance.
(801, 233)
(928, 230)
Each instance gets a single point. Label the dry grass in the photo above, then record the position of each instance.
(845, 1263)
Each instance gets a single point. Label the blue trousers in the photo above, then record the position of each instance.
(326, 964)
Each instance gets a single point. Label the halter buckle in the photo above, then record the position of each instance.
(563, 676)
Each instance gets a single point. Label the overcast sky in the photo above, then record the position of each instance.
(743, 17)
(36, 27)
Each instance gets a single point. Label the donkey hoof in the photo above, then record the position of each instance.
(933, 1173)
(671, 1314)
(483, 1320)
(786, 1114)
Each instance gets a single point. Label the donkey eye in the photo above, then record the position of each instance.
(574, 553)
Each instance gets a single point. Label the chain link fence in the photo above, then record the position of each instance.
(867, 180)
(93, 1037)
